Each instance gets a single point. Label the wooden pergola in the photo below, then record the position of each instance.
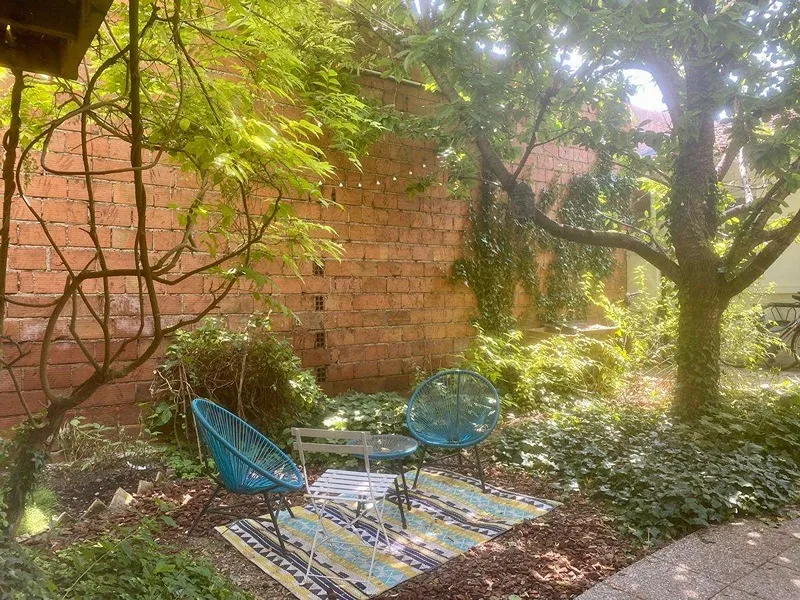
(48, 36)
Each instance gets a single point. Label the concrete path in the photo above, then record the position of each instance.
(746, 560)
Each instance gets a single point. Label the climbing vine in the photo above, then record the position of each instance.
(586, 201)
(501, 253)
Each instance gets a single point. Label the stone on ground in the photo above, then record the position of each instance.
(95, 508)
(120, 501)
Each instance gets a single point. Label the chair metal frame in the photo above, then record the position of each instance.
(273, 493)
(455, 448)
(367, 490)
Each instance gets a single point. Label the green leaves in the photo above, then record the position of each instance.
(134, 564)
(212, 361)
(384, 412)
(555, 370)
(662, 478)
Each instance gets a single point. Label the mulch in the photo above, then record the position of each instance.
(77, 488)
(555, 557)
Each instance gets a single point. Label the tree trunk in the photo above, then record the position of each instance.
(30, 448)
(698, 347)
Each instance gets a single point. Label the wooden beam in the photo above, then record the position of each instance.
(48, 36)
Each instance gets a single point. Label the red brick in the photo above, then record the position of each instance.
(28, 258)
(389, 303)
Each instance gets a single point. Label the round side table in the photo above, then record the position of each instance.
(394, 449)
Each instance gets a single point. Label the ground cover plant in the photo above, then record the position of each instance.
(593, 415)
(131, 563)
(660, 477)
(384, 412)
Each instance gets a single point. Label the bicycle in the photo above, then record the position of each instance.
(783, 321)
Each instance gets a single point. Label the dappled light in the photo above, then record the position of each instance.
(439, 299)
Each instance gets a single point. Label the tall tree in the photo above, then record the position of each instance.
(235, 94)
(516, 75)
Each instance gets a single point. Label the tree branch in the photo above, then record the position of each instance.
(764, 259)
(758, 215)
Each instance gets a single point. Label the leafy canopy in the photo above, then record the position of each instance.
(243, 96)
(517, 75)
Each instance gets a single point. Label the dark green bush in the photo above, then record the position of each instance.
(21, 579)
(384, 412)
(557, 368)
(253, 373)
(131, 566)
(662, 477)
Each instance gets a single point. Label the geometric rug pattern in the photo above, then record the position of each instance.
(450, 514)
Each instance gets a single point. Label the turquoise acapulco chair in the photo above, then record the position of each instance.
(248, 463)
(450, 412)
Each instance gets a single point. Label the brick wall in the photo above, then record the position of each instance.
(385, 310)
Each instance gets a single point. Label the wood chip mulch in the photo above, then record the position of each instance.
(555, 557)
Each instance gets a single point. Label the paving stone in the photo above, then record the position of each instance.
(712, 560)
(651, 579)
(120, 501)
(789, 558)
(750, 541)
(771, 582)
(603, 592)
(791, 528)
(734, 594)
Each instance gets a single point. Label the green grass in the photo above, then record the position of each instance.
(39, 512)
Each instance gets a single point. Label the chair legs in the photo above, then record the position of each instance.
(478, 465)
(419, 466)
(273, 514)
(286, 505)
(479, 468)
(274, 519)
(400, 503)
(319, 510)
(205, 509)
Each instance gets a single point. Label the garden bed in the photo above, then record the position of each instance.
(555, 557)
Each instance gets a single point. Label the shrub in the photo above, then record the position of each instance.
(253, 373)
(89, 444)
(384, 412)
(661, 477)
(134, 566)
(22, 578)
(559, 367)
(649, 327)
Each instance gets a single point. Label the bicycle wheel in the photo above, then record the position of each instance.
(794, 347)
(781, 313)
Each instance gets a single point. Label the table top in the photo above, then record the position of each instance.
(390, 446)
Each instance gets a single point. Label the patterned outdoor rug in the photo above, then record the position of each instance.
(450, 515)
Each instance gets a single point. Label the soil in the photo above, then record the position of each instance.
(555, 557)
(77, 488)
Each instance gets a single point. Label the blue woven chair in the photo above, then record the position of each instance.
(453, 411)
(248, 463)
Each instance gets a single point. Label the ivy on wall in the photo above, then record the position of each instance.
(586, 201)
(501, 253)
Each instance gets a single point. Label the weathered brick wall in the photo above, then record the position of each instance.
(386, 309)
